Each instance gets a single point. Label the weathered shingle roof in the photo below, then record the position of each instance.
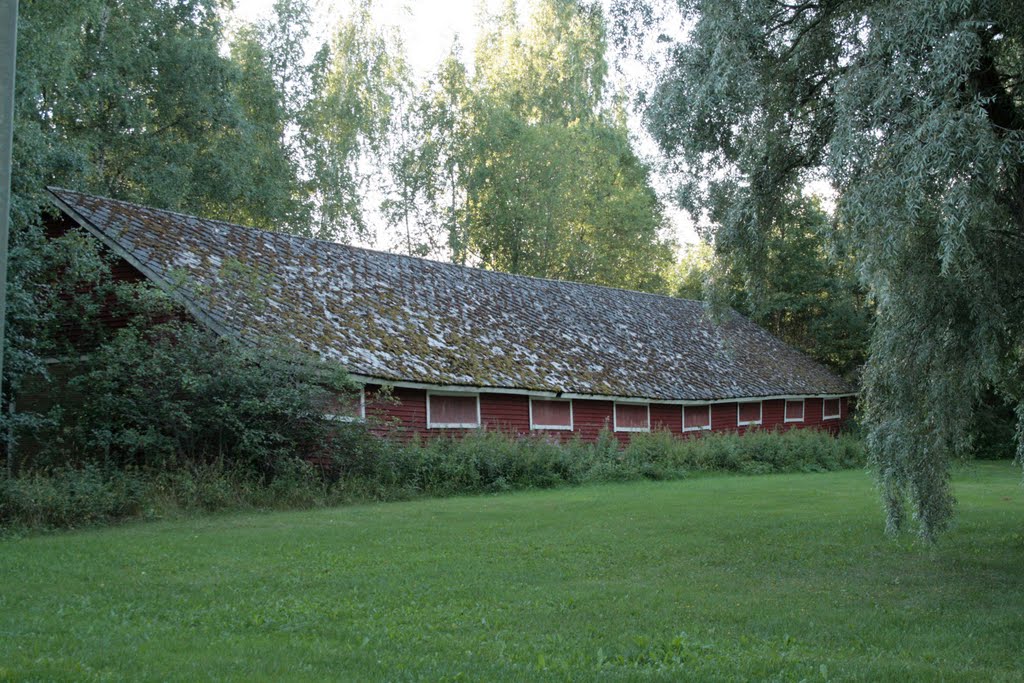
(401, 318)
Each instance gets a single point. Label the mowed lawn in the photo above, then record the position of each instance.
(783, 577)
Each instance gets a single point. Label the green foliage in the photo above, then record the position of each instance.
(355, 83)
(267, 183)
(71, 497)
(93, 494)
(153, 463)
(913, 112)
(526, 166)
(166, 397)
(135, 100)
(659, 455)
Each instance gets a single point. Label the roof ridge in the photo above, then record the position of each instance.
(287, 235)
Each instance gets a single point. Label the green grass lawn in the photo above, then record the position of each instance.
(783, 577)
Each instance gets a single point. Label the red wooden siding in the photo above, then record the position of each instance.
(590, 417)
(666, 417)
(406, 414)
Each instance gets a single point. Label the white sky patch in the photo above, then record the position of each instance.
(823, 190)
(428, 29)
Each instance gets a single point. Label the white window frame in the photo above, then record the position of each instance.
(760, 414)
(454, 425)
(348, 418)
(839, 407)
(564, 428)
(615, 416)
(697, 429)
(785, 411)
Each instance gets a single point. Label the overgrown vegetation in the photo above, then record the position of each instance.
(357, 466)
(174, 395)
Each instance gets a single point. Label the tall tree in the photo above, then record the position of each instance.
(914, 110)
(265, 186)
(551, 68)
(284, 37)
(356, 82)
(134, 99)
(430, 163)
(529, 165)
(272, 89)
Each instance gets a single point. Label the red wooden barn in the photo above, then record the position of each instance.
(463, 348)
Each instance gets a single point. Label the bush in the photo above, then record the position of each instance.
(174, 396)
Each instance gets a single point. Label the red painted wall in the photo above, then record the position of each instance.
(403, 413)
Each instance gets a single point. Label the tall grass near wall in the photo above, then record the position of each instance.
(367, 468)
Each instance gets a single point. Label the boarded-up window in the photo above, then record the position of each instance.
(696, 417)
(795, 411)
(830, 409)
(632, 417)
(749, 413)
(453, 410)
(550, 414)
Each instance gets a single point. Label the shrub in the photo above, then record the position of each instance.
(174, 396)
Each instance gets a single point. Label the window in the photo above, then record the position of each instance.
(632, 417)
(830, 408)
(795, 410)
(347, 408)
(696, 418)
(550, 414)
(748, 413)
(453, 411)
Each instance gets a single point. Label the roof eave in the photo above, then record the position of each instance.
(540, 393)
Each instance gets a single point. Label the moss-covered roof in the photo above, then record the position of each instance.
(401, 318)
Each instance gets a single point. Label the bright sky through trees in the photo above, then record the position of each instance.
(428, 28)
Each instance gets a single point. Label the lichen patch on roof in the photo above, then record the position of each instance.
(400, 318)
